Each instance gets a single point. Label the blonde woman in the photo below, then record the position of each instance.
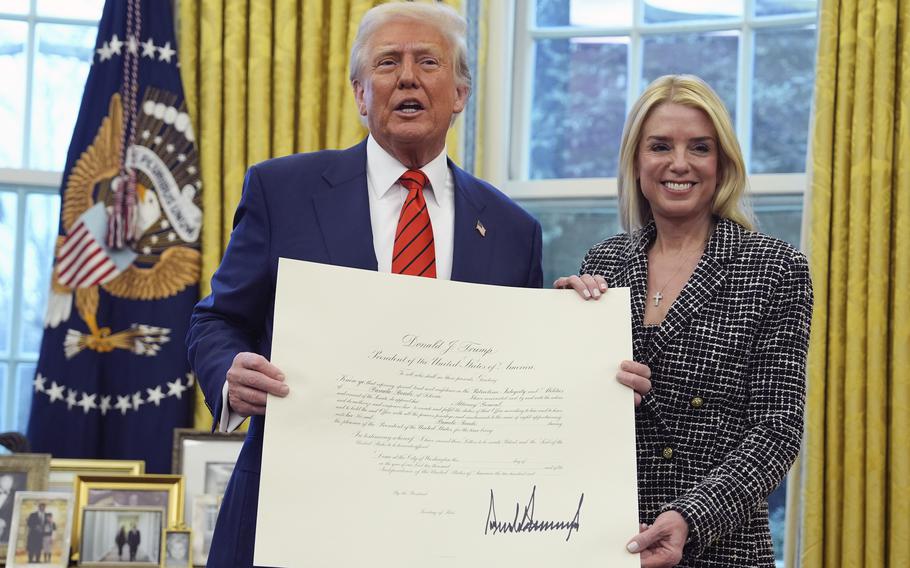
(721, 318)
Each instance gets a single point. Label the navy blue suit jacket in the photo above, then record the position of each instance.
(315, 207)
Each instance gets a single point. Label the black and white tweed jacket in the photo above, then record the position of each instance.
(723, 422)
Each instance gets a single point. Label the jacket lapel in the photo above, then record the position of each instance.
(344, 211)
(473, 247)
(710, 274)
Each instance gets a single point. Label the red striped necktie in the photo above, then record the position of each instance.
(414, 252)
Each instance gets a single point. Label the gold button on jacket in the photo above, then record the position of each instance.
(667, 453)
(697, 402)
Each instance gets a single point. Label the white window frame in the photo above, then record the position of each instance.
(21, 183)
(24, 182)
(508, 91)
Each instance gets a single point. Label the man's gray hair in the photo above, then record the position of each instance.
(449, 23)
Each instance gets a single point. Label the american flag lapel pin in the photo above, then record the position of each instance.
(480, 228)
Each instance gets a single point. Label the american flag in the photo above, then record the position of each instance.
(84, 260)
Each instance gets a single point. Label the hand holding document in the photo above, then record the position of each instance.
(434, 423)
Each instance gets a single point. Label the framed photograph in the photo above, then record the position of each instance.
(177, 552)
(163, 492)
(18, 472)
(206, 460)
(121, 536)
(64, 471)
(205, 513)
(42, 525)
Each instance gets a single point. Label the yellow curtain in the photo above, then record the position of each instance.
(264, 78)
(856, 487)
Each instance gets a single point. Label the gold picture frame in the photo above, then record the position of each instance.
(147, 490)
(18, 472)
(176, 548)
(63, 472)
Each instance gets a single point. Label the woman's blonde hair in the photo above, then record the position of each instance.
(688, 90)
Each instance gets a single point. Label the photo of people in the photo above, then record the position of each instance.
(41, 524)
(10, 483)
(121, 535)
(177, 549)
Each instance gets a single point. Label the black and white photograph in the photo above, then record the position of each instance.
(10, 483)
(121, 535)
(177, 548)
(217, 475)
(205, 513)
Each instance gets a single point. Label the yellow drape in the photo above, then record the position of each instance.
(264, 78)
(856, 509)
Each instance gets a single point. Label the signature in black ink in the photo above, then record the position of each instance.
(528, 523)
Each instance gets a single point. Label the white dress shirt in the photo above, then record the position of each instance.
(386, 199)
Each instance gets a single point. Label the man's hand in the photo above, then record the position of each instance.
(249, 379)
(661, 544)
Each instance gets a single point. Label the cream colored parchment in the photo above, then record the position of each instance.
(444, 424)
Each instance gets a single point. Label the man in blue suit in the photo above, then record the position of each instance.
(393, 203)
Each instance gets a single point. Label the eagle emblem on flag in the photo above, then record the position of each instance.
(162, 258)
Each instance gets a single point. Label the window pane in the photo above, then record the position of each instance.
(570, 228)
(777, 511)
(8, 218)
(62, 60)
(13, 36)
(780, 216)
(711, 56)
(782, 99)
(782, 7)
(13, 6)
(663, 11)
(81, 9)
(6, 393)
(585, 13)
(25, 376)
(578, 108)
(42, 213)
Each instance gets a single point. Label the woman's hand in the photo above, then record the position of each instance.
(661, 544)
(588, 287)
(636, 376)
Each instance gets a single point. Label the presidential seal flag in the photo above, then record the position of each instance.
(112, 379)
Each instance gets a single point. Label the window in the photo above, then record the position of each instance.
(46, 48)
(576, 67)
(564, 73)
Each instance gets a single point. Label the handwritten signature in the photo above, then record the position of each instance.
(528, 523)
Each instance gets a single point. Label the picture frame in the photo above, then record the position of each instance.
(18, 472)
(176, 548)
(63, 471)
(128, 491)
(42, 527)
(205, 513)
(206, 460)
(120, 536)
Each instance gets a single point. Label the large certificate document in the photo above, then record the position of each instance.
(443, 424)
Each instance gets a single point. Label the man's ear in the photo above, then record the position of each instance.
(461, 98)
(358, 97)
